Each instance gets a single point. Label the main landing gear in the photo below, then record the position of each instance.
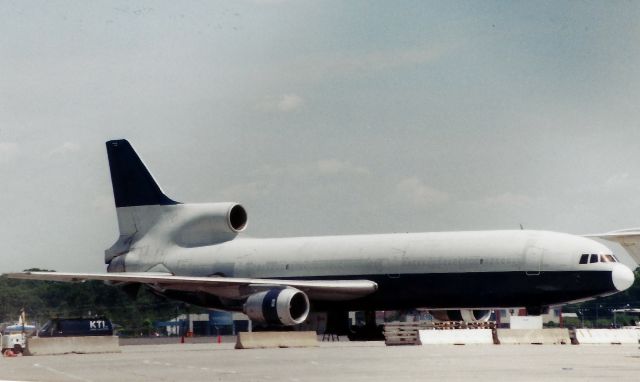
(365, 329)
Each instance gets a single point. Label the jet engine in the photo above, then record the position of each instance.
(285, 306)
(206, 224)
(466, 315)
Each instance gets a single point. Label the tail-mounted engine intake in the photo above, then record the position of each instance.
(206, 224)
(287, 306)
(466, 315)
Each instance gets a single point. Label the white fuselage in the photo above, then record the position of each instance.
(439, 269)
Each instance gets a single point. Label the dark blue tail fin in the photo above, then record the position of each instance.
(132, 183)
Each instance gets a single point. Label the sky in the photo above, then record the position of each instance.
(320, 117)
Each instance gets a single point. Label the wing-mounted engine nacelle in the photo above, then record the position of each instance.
(284, 306)
(206, 224)
(466, 315)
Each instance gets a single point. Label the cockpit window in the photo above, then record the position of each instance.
(593, 258)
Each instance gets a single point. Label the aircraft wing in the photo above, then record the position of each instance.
(629, 239)
(226, 287)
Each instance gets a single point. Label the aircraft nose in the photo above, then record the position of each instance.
(622, 277)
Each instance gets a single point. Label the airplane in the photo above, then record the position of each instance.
(199, 254)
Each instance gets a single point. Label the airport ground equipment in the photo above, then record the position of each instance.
(76, 327)
(16, 342)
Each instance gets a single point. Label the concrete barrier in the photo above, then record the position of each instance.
(456, 337)
(261, 340)
(534, 336)
(79, 345)
(608, 336)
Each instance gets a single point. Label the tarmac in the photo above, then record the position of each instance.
(334, 361)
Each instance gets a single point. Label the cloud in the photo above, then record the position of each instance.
(65, 148)
(507, 199)
(417, 193)
(335, 166)
(347, 64)
(8, 151)
(244, 192)
(285, 103)
(266, 179)
(322, 167)
(618, 181)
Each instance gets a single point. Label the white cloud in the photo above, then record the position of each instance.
(65, 148)
(508, 199)
(323, 167)
(335, 166)
(267, 178)
(419, 194)
(244, 192)
(8, 151)
(347, 64)
(284, 103)
(618, 181)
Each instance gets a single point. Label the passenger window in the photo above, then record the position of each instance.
(594, 259)
(584, 259)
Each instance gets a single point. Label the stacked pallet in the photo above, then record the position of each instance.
(404, 333)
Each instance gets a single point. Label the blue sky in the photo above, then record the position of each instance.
(321, 117)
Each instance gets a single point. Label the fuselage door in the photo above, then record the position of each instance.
(533, 261)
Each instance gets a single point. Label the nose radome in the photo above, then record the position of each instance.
(622, 277)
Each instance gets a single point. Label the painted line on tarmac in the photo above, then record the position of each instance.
(68, 375)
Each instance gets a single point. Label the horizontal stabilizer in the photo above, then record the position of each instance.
(226, 287)
(629, 239)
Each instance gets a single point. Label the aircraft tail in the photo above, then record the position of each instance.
(137, 196)
(133, 184)
(148, 218)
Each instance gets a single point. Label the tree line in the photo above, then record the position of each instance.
(134, 309)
